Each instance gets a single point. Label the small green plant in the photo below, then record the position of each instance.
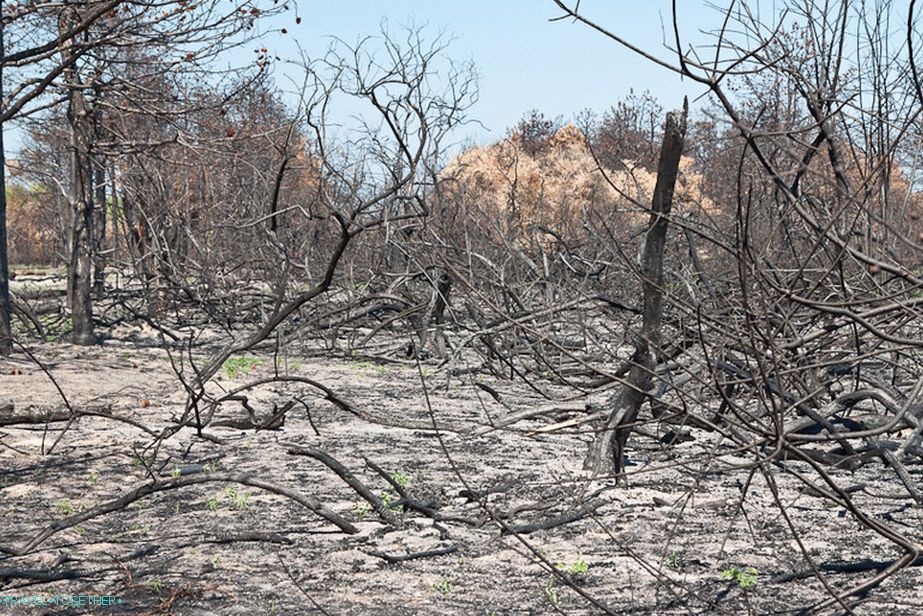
(444, 586)
(213, 503)
(92, 477)
(386, 499)
(139, 461)
(144, 529)
(240, 499)
(175, 473)
(361, 510)
(676, 561)
(579, 567)
(400, 479)
(239, 366)
(80, 530)
(65, 506)
(551, 591)
(216, 562)
(154, 586)
(745, 578)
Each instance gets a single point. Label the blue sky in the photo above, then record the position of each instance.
(524, 60)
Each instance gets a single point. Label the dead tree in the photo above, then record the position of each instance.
(607, 452)
(81, 201)
(94, 56)
(822, 309)
(414, 115)
(6, 335)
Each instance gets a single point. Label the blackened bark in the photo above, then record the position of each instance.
(99, 231)
(79, 278)
(443, 288)
(82, 204)
(6, 332)
(607, 452)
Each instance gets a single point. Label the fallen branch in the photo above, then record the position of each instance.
(10, 416)
(859, 566)
(309, 502)
(415, 555)
(388, 516)
(555, 521)
(508, 420)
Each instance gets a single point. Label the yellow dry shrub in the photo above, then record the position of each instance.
(555, 186)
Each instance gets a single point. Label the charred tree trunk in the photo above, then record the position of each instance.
(135, 231)
(82, 233)
(607, 452)
(79, 278)
(100, 206)
(443, 288)
(6, 332)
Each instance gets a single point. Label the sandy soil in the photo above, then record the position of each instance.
(659, 545)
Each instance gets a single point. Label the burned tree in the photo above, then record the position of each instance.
(95, 48)
(807, 304)
(608, 450)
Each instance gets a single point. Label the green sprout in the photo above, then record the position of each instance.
(676, 561)
(240, 366)
(744, 578)
(361, 510)
(444, 586)
(386, 499)
(400, 479)
(579, 567)
(65, 506)
(144, 529)
(242, 500)
(551, 591)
